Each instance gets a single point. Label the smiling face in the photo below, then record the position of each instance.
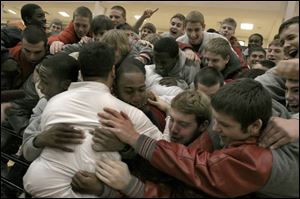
(194, 32)
(275, 53)
(183, 127)
(131, 89)
(228, 129)
(117, 17)
(290, 36)
(176, 27)
(292, 95)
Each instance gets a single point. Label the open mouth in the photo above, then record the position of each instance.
(293, 53)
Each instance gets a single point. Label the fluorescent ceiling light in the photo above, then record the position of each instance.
(12, 12)
(137, 16)
(64, 14)
(246, 26)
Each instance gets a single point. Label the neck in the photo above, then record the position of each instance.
(107, 81)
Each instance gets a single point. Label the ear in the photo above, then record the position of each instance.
(255, 127)
(113, 72)
(65, 84)
(227, 59)
(203, 126)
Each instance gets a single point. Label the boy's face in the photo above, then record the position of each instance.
(227, 30)
(228, 129)
(194, 32)
(275, 53)
(38, 18)
(116, 17)
(292, 95)
(211, 59)
(254, 41)
(183, 127)
(131, 89)
(145, 32)
(255, 57)
(55, 28)
(48, 83)
(164, 63)
(290, 35)
(81, 26)
(33, 53)
(176, 27)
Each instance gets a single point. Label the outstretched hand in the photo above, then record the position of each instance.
(148, 13)
(119, 124)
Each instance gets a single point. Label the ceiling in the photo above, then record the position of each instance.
(265, 15)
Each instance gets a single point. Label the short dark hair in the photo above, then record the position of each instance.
(34, 35)
(251, 73)
(62, 66)
(256, 48)
(124, 26)
(267, 63)
(152, 38)
(167, 45)
(83, 11)
(259, 35)
(122, 9)
(208, 76)
(245, 100)
(27, 11)
(276, 42)
(288, 22)
(229, 21)
(181, 17)
(101, 22)
(130, 65)
(96, 59)
(150, 26)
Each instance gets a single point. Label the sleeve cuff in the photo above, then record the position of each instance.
(135, 188)
(145, 146)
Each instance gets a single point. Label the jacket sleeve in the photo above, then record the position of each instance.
(67, 36)
(223, 173)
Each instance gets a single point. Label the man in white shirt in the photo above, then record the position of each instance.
(50, 175)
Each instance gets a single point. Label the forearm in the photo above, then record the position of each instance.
(30, 151)
(138, 24)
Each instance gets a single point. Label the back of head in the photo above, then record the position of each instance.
(96, 59)
(152, 38)
(212, 30)
(193, 102)
(167, 45)
(245, 100)
(83, 11)
(229, 21)
(251, 73)
(117, 39)
(209, 76)
(62, 66)
(124, 26)
(120, 8)
(267, 63)
(218, 46)
(150, 26)
(101, 23)
(27, 11)
(33, 35)
(56, 22)
(195, 17)
(287, 23)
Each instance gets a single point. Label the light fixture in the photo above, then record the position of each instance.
(64, 14)
(137, 16)
(11, 11)
(247, 26)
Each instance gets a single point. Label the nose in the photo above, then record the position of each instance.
(173, 128)
(288, 96)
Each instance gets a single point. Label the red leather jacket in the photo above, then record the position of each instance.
(237, 170)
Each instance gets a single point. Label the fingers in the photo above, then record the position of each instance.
(103, 133)
(65, 149)
(155, 10)
(125, 116)
(279, 143)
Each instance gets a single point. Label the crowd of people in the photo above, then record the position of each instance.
(117, 110)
